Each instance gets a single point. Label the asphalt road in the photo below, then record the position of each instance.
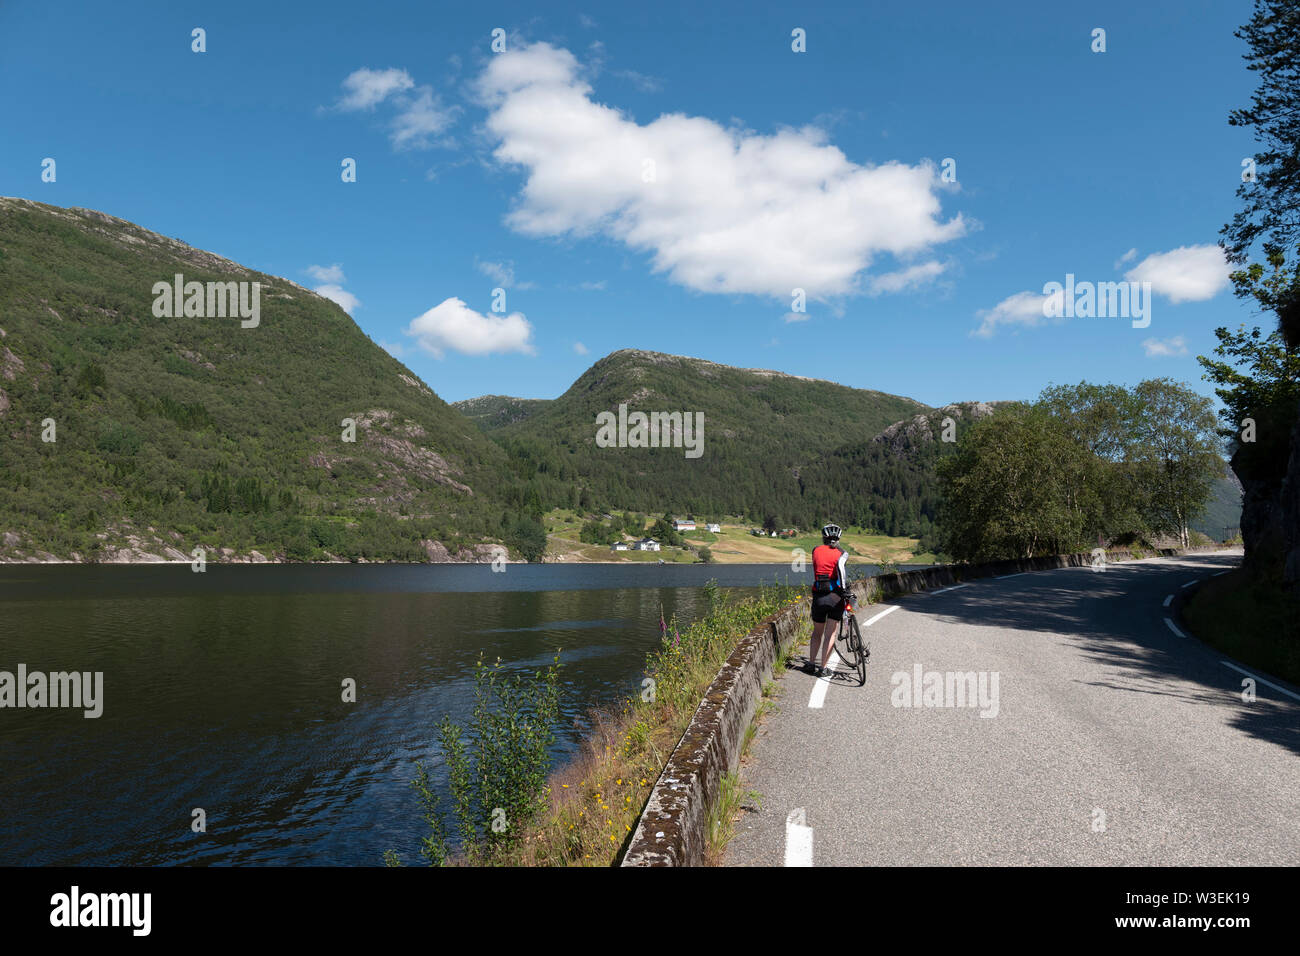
(1109, 738)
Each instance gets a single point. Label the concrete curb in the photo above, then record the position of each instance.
(672, 830)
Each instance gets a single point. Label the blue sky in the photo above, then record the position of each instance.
(773, 170)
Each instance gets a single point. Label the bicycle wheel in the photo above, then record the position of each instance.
(862, 653)
(844, 645)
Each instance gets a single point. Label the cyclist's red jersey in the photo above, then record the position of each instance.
(830, 563)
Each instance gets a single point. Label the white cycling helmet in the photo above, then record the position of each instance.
(831, 532)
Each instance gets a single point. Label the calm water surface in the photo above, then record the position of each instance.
(222, 690)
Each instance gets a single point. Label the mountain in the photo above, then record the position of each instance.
(496, 411)
(126, 433)
(1222, 515)
(759, 429)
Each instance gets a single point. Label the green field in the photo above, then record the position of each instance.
(733, 545)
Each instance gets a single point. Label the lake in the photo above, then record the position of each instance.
(223, 690)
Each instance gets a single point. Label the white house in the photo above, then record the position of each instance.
(680, 524)
(714, 527)
(618, 546)
(646, 544)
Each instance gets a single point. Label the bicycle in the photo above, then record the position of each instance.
(854, 652)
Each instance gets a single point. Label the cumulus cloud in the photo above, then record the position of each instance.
(453, 326)
(419, 115)
(364, 89)
(331, 287)
(907, 278)
(1165, 348)
(1022, 309)
(727, 210)
(336, 293)
(1185, 274)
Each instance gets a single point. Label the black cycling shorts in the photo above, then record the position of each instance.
(827, 606)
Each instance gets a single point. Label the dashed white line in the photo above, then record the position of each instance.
(1260, 680)
(953, 588)
(1168, 600)
(1003, 577)
(798, 839)
(818, 696)
(1191, 582)
(1218, 573)
(1174, 627)
(891, 608)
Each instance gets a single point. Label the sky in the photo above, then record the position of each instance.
(537, 186)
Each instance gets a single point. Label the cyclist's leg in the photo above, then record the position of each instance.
(833, 624)
(819, 628)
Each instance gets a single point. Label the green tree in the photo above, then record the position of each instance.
(1018, 485)
(1177, 453)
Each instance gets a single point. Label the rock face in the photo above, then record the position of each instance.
(1289, 514)
(1269, 472)
(920, 429)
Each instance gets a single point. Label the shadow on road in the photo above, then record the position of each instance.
(1115, 617)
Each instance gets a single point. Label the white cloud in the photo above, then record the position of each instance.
(1126, 257)
(1024, 308)
(419, 116)
(907, 278)
(331, 278)
(364, 89)
(395, 349)
(453, 326)
(580, 348)
(503, 274)
(795, 317)
(728, 211)
(1185, 274)
(1164, 348)
(336, 293)
(332, 273)
(593, 286)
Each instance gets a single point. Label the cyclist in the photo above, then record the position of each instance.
(830, 596)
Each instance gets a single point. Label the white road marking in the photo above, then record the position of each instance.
(1191, 582)
(1260, 680)
(818, 696)
(798, 839)
(953, 588)
(891, 608)
(1217, 573)
(1003, 577)
(1174, 627)
(1168, 600)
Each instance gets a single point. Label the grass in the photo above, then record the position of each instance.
(1253, 620)
(595, 801)
(732, 798)
(733, 545)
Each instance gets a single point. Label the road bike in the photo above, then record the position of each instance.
(850, 646)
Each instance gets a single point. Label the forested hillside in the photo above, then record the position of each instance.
(762, 430)
(123, 433)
